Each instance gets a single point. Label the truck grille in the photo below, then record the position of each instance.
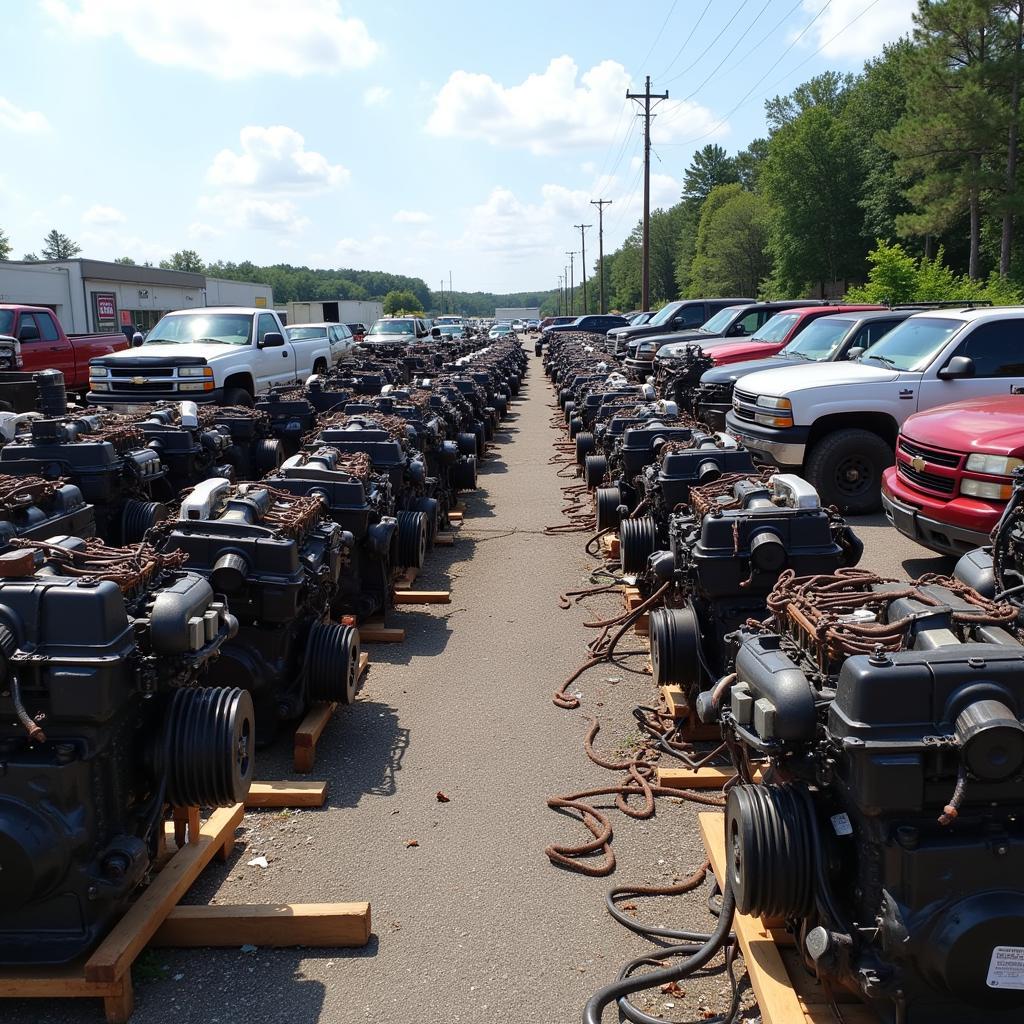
(926, 481)
(743, 405)
(142, 371)
(150, 387)
(923, 475)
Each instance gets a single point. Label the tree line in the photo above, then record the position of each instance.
(913, 162)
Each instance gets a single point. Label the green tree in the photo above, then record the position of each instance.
(625, 275)
(5, 245)
(30, 257)
(397, 302)
(57, 246)
(952, 129)
(186, 259)
(813, 182)
(709, 168)
(748, 163)
(715, 200)
(126, 261)
(735, 258)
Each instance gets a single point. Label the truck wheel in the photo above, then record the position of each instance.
(320, 367)
(238, 396)
(846, 469)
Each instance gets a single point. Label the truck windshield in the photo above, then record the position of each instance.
(392, 327)
(664, 314)
(720, 322)
(913, 344)
(219, 328)
(776, 328)
(820, 340)
(6, 321)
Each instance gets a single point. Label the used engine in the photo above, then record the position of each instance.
(103, 724)
(277, 558)
(888, 829)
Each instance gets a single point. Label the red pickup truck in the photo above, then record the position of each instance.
(45, 346)
(954, 472)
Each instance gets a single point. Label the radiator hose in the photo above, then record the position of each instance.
(627, 986)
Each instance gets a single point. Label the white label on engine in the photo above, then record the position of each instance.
(842, 825)
(1006, 968)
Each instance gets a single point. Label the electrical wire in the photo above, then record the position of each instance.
(686, 41)
(657, 38)
(707, 49)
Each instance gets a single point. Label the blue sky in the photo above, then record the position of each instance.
(412, 137)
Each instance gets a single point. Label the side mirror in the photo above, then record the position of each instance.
(737, 331)
(435, 332)
(137, 339)
(957, 368)
(28, 333)
(272, 339)
(855, 353)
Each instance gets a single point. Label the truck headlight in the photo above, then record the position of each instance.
(99, 371)
(198, 385)
(997, 465)
(195, 371)
(986, 489)
(767, 402)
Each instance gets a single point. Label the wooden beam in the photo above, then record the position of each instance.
(444, 540)
(456, 517)
(273, 925)
(307, 735)
(300, 793)
(694, 778)
(423, 597)
(130, 935)
(381, 635)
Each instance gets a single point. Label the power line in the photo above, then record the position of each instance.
(707, 48)
(657, 38)
(686, 41)
(601, 204)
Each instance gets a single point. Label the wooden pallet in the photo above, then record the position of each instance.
(786, 993)
(307, 735)
(631, 597)
(155, 917)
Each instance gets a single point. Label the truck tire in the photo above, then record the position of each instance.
(846, 468)
(238, 396)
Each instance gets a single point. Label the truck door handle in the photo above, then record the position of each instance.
(55, 348)
(284, 355)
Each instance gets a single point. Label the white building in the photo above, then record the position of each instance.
(94, 296)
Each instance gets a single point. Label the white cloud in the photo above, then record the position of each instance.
(411, 217)
(365, 253)
(24, 122)
(103, 216)
(278, 216)
(227, 38)
(884, 23)
(557, 110)
(376, 95)
(274, 159)
(201, 232)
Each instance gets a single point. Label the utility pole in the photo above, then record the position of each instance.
(442, 295)
(583, 261)
(647, 96)
(601, 204)
(451, 294)
(565, 288)
(572, 283)
(561, 293)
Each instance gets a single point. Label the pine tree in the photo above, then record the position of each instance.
(57, 246)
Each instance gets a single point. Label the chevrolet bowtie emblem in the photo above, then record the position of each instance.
(918, 463)
(138, 380)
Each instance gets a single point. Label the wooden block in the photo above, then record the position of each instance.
(381, 635)
(273, 925)
(694, 778)
(407, 578)
(423, 597)
(675, 700)
(610, 545)
(456, 517)
(300, 793)
(307, 735)
(129, 937)
(54, 982)
(444, 540)
(119, 1007)
(364, 660)
(186, 824)
(780, 998)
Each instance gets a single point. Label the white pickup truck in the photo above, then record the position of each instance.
(837, 423)
(225, 354)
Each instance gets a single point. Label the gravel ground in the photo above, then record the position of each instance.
(473, 923)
